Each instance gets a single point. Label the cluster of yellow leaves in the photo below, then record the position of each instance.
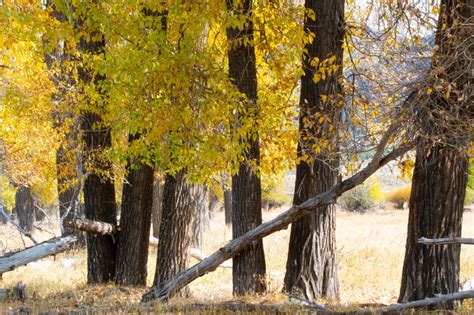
(171, 86)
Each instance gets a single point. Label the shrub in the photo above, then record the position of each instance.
(399, 196)
(362, 197)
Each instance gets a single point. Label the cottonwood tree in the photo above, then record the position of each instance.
(441, 169)
(24, 208)
(248, 269)
(99, 190)
(58, 57)
(135, 222)
(311, 268)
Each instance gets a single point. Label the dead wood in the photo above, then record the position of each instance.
(446, 240)
(53, 246)
(92, 227)
(426, 302)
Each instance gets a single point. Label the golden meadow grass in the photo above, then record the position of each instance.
(370, 251)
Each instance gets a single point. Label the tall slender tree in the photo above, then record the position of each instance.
(248, 271)
(68, 170)
(178, 209)
(135, 222)
(441, 168)
(311, 268)
(99, 191)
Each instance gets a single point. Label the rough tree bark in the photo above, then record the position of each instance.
(441, 167)
(24, 208)
(311, 269)
(178, 210)
(213, 204)
(135, 221)
(227, 206)
(99, 191)
(157, 205)
(248, 272)
(201, 217)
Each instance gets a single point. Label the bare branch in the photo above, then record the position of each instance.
(92, 227)
(446, 240)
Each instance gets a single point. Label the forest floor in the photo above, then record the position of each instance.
(370, 252)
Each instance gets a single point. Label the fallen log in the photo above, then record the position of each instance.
(164, 291)
(53, 246)
(426, 302)
(446, 240)
(194, 252)
(92, 227)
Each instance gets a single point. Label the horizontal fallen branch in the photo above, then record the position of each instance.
(426, 302)
(92, 227)
(53, 246)
(165, 290)
(446, 240)
(194, 252)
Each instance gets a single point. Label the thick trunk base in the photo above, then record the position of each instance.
(436, 209)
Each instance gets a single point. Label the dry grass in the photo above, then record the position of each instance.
(370, 251)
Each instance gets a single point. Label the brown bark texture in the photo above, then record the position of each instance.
(311, 269)
(201, 218)
(135, 222)
(157, 204)
(248, 273)
(441, 168)
(175, 230)
(24, 208)
(99, 191)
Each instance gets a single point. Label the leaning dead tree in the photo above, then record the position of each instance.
(163, 291)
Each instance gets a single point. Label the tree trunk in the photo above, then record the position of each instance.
(157, 205)
(227, 206)
(175, 230)
(311, 269)
(436, 209)
(201, 217)
(135, 221)
(68, 193)
(441, 168)
(24, 208)
(99, 191)
(248, 272)
(67, 164)
(2, 153)
(213, 204)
